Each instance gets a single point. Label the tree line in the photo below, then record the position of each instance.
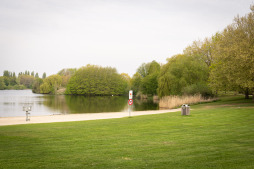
(97, 80)
(87, 80)
(223, 62)
(24, 80)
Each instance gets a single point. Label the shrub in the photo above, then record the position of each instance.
(199, 88)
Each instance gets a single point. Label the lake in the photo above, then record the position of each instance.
(12, 102)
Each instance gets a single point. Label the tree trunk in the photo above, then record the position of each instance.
(253, 97)
(246, 93)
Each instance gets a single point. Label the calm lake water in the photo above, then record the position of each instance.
(12, 102)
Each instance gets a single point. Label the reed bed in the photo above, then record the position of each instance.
(170, 102)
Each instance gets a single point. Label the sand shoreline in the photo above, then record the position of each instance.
(4, 121)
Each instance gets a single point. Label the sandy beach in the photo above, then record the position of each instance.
(4, 121)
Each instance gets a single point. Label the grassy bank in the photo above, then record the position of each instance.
(216, 135)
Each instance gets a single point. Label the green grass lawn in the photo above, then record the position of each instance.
(215, 135)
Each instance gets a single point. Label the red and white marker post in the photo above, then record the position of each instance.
(130, 101)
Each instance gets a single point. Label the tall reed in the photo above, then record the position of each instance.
(169, 102)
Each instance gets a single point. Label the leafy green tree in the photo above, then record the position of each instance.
(136, 83)
(127, 80)
(7, 73)
(6, 80)
(149, 84)
(66, 75)
(233, 62)
(36, 85)
(36, 75)
(44, 75)
(9, 78)
(26, 80)
(154, 67)
(51, 84)
(181, 71)
(6, 76)
(45, 88)
(96, 80)
(146, 78)
(13, 79)
(2, 84)
(143, 70)
(202, 50)
(67, 72)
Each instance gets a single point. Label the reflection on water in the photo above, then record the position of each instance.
(12, 101)
(56, 103)
(96, 104)
(147, 104)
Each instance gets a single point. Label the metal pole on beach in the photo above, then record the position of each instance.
(129, 111)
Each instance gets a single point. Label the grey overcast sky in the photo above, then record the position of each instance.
(49, 35)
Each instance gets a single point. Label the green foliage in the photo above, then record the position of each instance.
(144, 69)
(12, 82)
(6, 80)
(202, 50)
(149, 84)
(233, 62)
(45, 88)
(36, 85)
(10, 78)
(200, 88)
(2, 83)
(181, 71)
(51, 84)
(26, 80)
(36, 75)
(146, 78)
(96, 80)
(66, 75)
(154, 68)
(136, 82)
(67, 72)
(7, 73)
(125, 77)
(44, 75)
(16, 87)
